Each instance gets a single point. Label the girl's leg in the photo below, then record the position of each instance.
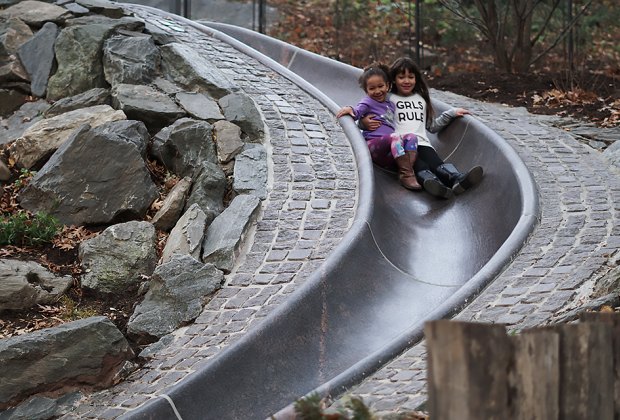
(427, 159)
(424, 167)
(381, 152)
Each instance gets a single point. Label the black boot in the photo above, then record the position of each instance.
(459, 181)
(433, 185)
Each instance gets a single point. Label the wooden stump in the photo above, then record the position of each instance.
(535, 375)
(467, 370)
(613, 320)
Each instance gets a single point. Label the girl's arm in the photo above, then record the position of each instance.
(369, 123)
(347, 110)
(356, 112)
(446, 118)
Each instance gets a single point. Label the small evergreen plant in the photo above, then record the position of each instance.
(23, 229)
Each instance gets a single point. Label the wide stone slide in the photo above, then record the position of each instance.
(408, 258)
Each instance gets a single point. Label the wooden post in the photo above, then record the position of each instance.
(586, 371)
(535, 375)
(613, 320)
(467, 370)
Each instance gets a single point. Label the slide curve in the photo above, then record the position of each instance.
(408, 258)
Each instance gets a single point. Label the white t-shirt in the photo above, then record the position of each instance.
(410, 117)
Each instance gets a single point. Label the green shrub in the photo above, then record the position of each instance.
(22, 229)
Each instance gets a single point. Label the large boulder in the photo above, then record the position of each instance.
(131, 60)
(175, 297)
(185, 145)
(145, 103)
(41, 139)
(79, 57)
(36, 13)
(200, 106)
(92, 97)
(37, 57)
(79, 187)
(186, 67)
(24, 284)
(116, 261)
(85, 353)
(240, 109)
(225, 235)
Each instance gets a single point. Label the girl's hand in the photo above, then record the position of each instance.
(461, 112)
(347, 110)
(369, 123)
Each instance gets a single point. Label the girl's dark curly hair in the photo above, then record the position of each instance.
(400, 65)
(374, 69)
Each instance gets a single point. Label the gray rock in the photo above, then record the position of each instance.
(225, 235)
(13, 33)
(24, 284)
(128, 131)
(170, 211)
(146, 104)
(36, 13)
(78, 189)
(92, 97)
(41, 139)
(103, 7)
(175, 297)
(79, 56)
(193, 71)
(184, 145)
(160, 36)
(229, 141)
(115, 25)
(12, 72)
(37, 57)
(130, 60)
(208, 190)
(200, 106)
(78, 354)
(28, 114)
(240, 109)
(116, 260)
(76, 9)
(250, 176)
(154, 349)
(10, 101)
(36, 408)
(166, 86)
(187, 235)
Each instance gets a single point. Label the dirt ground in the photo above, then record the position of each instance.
(599, 103)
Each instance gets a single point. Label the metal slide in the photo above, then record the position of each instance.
(408, 258)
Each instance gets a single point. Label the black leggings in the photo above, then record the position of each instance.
(427, 159)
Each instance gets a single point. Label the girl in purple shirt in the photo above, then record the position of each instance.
(387, 148)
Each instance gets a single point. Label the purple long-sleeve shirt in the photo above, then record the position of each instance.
(383, 111)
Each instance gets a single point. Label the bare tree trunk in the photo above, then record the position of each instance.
(522, 48)
(496, 33)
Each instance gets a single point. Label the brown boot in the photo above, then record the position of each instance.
(405, 172)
